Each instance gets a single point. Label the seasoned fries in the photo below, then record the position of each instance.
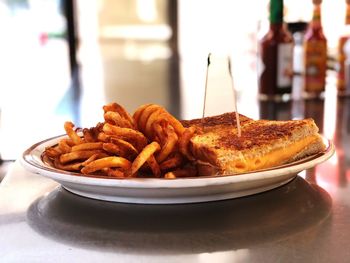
(87, 146)
(106, 162)
(151, 142)
(127, 134)
(68, 126)
(115, 107)
(184, 141)
(146, 153)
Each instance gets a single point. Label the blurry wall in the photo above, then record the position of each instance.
(126, 54)
(233, 28)
(130, 50)
(35, 77)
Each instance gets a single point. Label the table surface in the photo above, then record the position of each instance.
(306, 220)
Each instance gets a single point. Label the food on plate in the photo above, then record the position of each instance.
(153, 143)
(263, 143)
(144, 155)
(106, 162)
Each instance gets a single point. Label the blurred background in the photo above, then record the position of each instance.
(63, 59)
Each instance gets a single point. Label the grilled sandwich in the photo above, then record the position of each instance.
(262, 145)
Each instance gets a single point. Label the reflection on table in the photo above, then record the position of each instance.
(292, 209)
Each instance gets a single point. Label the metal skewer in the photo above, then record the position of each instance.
(233, 90)
(206, 87)
(234, 100)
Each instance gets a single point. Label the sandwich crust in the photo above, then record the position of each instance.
(226, 119)
(217, 144)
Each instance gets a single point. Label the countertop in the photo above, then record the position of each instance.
(306, 220)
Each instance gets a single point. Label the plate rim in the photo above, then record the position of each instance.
(28, 161)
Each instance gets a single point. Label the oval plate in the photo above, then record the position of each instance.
(169, 191)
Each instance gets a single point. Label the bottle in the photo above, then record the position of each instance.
(345, 35)
(276, 53)
(346, 90)
(298, 31)
(315, 55)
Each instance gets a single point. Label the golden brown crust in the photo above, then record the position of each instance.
(228, 118)
(259, 133)
(217, 139)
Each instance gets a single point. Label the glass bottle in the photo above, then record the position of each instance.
(276, 53)
(315, 55)
(346, 90)
(345, 35)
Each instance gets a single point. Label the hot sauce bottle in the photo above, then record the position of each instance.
(315, 55)
(341, 54)
(276, 54)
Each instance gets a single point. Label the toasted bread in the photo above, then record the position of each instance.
(263, 144)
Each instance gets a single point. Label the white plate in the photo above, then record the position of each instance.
(169, 191)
